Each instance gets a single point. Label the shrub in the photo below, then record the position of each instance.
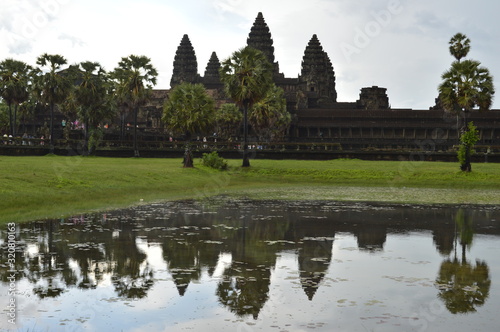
(213, 160)
(95, 139)
(467, 140)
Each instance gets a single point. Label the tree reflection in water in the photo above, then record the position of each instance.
(244, 288)
(462, 285)
(85, 252)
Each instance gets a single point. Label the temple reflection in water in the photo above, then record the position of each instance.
(237, 242)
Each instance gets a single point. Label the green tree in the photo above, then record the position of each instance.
(14, 87)
(92, 98)
(463, 286)
(189, 110)
(459, 46)
(135, 77)
(466, 86)
(269, 117)
(247, 77)
(52, 85)
(467, 141)
(228, 120)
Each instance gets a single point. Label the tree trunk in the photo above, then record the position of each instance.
(14, 127)
(86, 139)
(466, 166)
(246, 162)
(122, 127)
(188, 156)
(136, 148)
(51, 138)
(10, 120)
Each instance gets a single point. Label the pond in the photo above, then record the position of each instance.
(242, 265)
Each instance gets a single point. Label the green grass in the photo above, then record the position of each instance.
(52, 186)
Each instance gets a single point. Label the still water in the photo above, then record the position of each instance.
(241, 265)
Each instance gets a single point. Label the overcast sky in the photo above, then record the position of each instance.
(401, 45)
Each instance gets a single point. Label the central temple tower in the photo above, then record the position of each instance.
(260, 39)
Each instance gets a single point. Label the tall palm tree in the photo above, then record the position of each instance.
(52, 85)
(189, 110)
(14, 87)
(247, 76)
(135, 77)
(91, 95)
(269, 116)
(466, 85)
(459, 46)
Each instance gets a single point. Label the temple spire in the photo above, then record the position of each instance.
(212, 70)
(317, 71)
(260, 39)
(185, 64)
(211, 79)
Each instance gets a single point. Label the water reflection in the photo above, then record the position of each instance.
(93, 251)
(464, 286)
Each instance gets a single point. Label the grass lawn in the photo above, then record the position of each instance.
(54, 186)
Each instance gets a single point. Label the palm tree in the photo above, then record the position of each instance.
(91, 95)
(228, 119)
(135, 77)
(459, 46)
(14, 87)
(269, 116)
(247, 76)
(466, 85)
(52, 85)
(189, 110)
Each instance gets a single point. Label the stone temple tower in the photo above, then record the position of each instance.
(185, 64)
(211, 79)
(317, 77)
(260, 39)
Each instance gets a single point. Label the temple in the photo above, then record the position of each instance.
(314, 87)
(368, 122)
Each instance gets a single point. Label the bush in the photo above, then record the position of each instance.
(94, 139)
(213, 160)
(467, 140)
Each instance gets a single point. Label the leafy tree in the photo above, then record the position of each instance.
(466, 85)
(14, 87)
(247, 76)
(269, 117)
(228, 120)
(189, 110)
(91, 95)
(52, 85)
(467, 141)
(135, 77)
(459, 46)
